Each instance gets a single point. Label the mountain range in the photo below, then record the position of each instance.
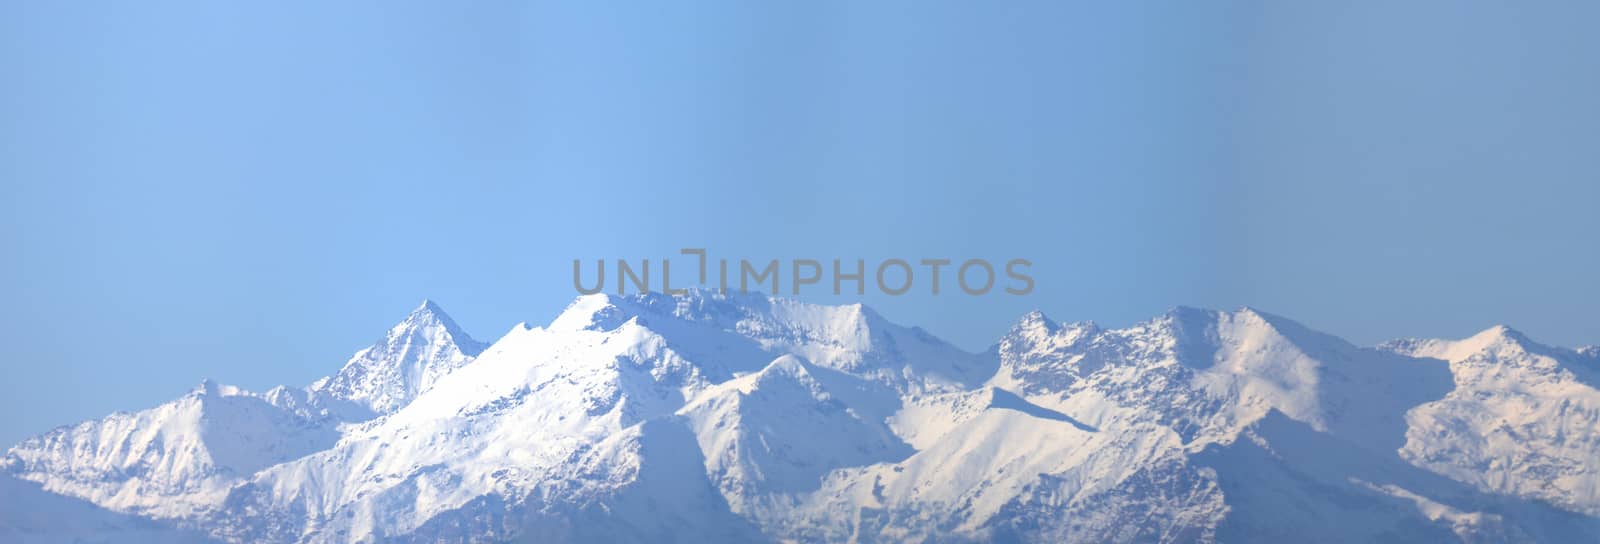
(748, 418)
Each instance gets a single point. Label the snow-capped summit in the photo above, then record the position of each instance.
(1521, 420)
(1495, 338)
(737, 332)
(407, 361)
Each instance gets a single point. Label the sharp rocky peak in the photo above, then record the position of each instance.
(428, 314)
(414, 354)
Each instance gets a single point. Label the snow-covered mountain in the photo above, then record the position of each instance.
(178, 459)
(717, 417)
(1521, 419)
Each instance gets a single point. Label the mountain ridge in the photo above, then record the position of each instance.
(754, 417)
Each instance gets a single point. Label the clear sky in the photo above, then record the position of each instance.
(193, 190)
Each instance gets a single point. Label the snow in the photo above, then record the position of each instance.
(734, 417)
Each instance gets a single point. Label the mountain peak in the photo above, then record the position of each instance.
(207, 387)
(1038, 325)
(430, 313)
(1498, 336)
(1492, 339)
(414, 354)
(1035, 320)
(1506, 332)
(428, 307)
(787, 365)
(210, 388)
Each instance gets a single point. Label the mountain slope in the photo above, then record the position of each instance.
(30, 515)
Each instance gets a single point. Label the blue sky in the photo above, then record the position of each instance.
(251, 193)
